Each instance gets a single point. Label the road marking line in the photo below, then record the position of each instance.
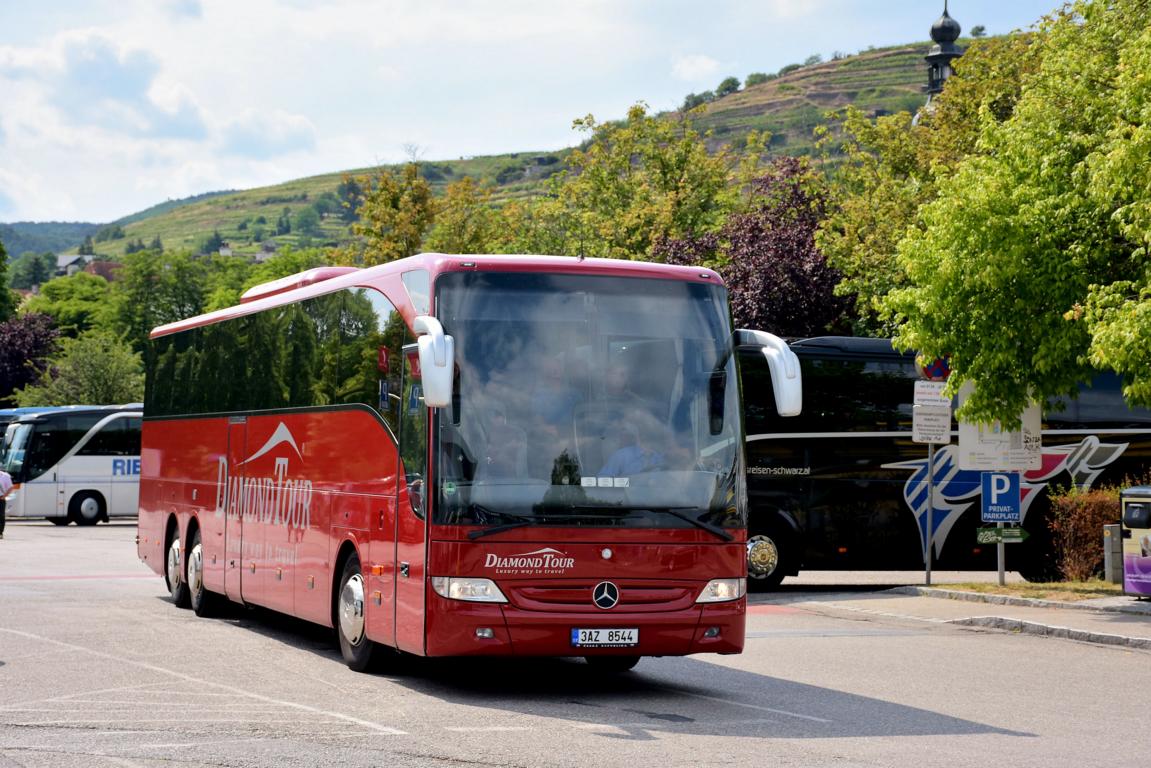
(487, 728)
(189, 679)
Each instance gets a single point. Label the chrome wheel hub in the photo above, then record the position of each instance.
(762, 556)
(196, 569)
(352, 610)
(89, 508)
(175, 572)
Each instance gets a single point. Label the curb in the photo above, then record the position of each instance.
(1046, 630)
(1137, 609)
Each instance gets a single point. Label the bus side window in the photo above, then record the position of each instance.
(758, 394)
(111, 440)
(413, 432)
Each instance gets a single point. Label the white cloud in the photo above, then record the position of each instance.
(262, 135)
(695, 67)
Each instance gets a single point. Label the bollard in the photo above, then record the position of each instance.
(1113, 554)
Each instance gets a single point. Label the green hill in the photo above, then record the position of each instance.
(790, 107)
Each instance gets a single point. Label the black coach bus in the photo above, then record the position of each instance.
(843, 487)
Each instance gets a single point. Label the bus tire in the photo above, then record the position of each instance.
(87, 508)
(350, 614)
(205, 603)
(174, 574)
(611, 665)
(766, 560)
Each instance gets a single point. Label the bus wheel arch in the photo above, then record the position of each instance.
(772, 551)
(349, 611)
(87, 508)
(174, 574)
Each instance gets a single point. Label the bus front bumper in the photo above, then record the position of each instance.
(458, 628)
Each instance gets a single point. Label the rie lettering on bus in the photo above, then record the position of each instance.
(401, 453)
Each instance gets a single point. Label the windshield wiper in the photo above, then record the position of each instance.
(679, 512)
(520, 521)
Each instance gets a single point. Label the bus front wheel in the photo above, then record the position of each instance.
(351, 628)
(765, 561)
(86, 508)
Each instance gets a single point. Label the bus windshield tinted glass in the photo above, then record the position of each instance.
(588, 400)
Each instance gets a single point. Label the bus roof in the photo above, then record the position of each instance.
(31, 414)
(849, 345)
(305, 285)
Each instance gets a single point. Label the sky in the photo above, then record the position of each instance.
(110, 106)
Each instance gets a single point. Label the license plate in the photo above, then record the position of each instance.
(605, 638)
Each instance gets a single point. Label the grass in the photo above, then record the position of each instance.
(1063, 591)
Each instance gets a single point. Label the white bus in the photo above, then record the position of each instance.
(76, 464)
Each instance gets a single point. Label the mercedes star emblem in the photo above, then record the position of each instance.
(605, 595)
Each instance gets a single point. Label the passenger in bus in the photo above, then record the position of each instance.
(635, 455)
(552, 403)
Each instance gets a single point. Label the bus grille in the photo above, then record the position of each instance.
(573, 596)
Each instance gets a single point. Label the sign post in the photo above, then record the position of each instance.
(1000, 494)
(931, 424)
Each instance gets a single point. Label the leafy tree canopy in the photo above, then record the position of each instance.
(26, 341)
(77, 302)
(96, 368)
(1030, 266)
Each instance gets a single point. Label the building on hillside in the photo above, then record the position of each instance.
(70, 263)
(104, 269)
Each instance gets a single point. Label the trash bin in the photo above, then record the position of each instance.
(1135, 533)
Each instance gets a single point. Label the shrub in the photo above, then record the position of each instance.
(1076, 523)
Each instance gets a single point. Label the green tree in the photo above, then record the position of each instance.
(288, 261)
(1010, 248)
(979, 31)
(95, 368)
(308, 222)
(7, 298)
(87, 248)
(465, 220)
(633, 183)
(32, 269)
(892, 165)
(396, 211)
(728, 86)
(757, 78)
(77, 303)
(152, 289)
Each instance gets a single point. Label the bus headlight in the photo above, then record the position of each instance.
(475, 590)
(722, 590)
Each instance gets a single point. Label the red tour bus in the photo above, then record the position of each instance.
(461, 455)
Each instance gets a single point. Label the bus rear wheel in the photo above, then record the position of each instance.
(765, 561)
(350, 609)
(174, 572)
(86, 508)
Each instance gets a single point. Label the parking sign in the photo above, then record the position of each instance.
(1000, 497)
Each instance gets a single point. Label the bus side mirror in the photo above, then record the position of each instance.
(786, 377)
(437, 361)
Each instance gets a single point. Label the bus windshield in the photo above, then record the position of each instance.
(31, 448)
(588, 400)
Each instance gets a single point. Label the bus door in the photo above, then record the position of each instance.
(238, 564)
(411, 509)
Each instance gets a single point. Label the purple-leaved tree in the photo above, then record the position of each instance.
(779, 281)
(26, 341)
